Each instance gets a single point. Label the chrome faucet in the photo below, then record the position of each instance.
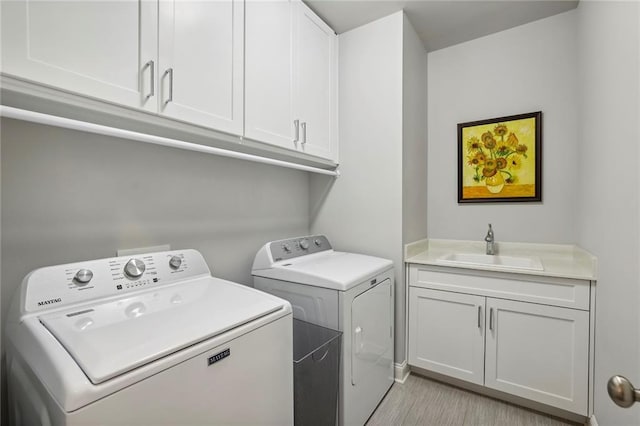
(491, 249)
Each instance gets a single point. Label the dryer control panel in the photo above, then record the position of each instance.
(62, 285)
(299, 246)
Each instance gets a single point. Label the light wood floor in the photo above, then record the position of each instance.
(425, 402)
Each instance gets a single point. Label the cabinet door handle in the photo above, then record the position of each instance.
(169, 72)
(304, 132)
(491, 319)
(152, 78)
(296, 126)
(479, 313)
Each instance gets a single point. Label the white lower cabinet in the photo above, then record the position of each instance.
(538, 352)
(535, 351)
(454, 321)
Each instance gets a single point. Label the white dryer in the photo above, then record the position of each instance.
(153, 340)
(349, 292)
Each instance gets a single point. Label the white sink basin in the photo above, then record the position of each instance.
(493, 261)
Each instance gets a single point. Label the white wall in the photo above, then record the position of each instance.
(69, 196)
(608, 159)
(361, 211)
(524, 69)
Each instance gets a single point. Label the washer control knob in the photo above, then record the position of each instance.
(175, 262)
(286, 247)
(83, 276)
(134, 268)
(317, 242)
(304, 244)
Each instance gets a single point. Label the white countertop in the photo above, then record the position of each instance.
(562, 261)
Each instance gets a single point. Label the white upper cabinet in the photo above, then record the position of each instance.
(315, 87)
(201, 62)
(269, 72)
(290, 78)
(263, 69)
(182, 59)
(102, 49)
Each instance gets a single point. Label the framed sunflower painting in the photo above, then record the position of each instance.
(499, 160)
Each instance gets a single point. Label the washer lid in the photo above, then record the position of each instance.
(328, 269)
(114, 337)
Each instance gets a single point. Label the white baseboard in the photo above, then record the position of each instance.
(401, 372)
(593, 421)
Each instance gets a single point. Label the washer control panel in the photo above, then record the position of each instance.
(61, 285)
(299, 246)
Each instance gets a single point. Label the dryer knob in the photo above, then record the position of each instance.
(286, 247)
(83, 276)
(175, 262)
(317, 242)
(304, 243)
(134, 268)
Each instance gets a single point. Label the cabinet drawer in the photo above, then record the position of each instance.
(545, 290)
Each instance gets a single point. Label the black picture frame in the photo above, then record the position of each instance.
(495, 164)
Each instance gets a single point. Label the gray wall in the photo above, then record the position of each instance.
(361, 211)
(69, 196)
(379, 202)
(528, 68)
(581, 69)
(414, 136)
(609, 216)
(414, 159)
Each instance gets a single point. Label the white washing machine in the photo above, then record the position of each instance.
(152, 340)
(349, 292)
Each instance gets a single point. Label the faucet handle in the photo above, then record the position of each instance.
(489, 237)
(490, 241)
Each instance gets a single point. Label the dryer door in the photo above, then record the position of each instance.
(372, 338)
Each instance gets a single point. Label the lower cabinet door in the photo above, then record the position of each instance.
(446, 333)
(538, 352)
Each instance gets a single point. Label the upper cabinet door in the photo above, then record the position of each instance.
(201, 62)
(269, 56)
(316, 88)
(102, 49)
